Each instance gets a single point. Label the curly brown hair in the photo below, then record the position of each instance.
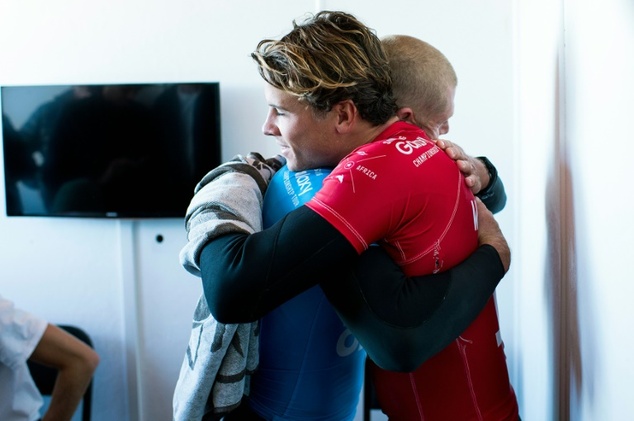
(328, 58)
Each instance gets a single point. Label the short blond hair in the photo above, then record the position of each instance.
(421, 75)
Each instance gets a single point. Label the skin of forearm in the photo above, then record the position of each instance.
(70, 386)
(483, 174)
(75, 363)
(489, 233)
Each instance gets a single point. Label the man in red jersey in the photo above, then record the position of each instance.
(329, 94)
(468, 380)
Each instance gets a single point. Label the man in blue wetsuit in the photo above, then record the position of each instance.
(269, 277)
(311, 366)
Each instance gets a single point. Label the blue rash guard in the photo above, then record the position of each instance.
(311, 366)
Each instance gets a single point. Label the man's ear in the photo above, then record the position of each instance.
(406, 114)
(347, 114)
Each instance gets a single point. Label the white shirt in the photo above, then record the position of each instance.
(20, 332)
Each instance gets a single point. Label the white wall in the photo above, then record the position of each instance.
(539, 110)
(575, 96)
(600, 102)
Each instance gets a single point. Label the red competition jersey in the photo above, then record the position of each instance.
(403, 192)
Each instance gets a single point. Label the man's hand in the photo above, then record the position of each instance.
(489, 233)
(475, 172)
(266, 167)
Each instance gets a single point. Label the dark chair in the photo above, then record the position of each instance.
(44, 376)
(370, 401)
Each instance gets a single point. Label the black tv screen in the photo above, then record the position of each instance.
(111, 151)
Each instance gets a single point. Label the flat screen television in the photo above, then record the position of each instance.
(108, 150)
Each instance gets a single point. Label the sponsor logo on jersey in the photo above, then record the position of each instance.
(366, 171)
(407, 147)
(347, 344)
(425, 156)
(304, 183)
(393, 139)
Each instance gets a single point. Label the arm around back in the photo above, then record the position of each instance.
(246, 276)
(403, 321)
